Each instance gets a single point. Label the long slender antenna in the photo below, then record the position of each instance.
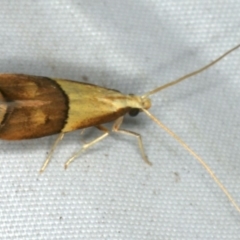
(189, 74)
(196, 156)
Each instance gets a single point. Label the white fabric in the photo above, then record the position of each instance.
(109, 192)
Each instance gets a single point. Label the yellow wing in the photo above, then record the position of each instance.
(91, 105)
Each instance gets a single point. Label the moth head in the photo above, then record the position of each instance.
(142, 102)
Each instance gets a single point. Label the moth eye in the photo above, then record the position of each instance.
(134, 112)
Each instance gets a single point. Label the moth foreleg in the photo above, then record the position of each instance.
(116, 128)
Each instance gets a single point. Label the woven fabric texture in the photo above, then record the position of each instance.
(109, 192)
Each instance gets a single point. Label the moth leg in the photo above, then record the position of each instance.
(116, 128)
(87, 145)
(59, 138)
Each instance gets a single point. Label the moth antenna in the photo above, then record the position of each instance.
(189, 74)
(196, 156)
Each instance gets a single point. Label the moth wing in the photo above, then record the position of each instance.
(30, 107)
(91, 105)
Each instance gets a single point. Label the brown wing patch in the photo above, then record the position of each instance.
(31, 107)
(3, 108)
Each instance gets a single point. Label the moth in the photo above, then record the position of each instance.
(34, 107)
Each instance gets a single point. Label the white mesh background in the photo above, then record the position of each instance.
(109, 192)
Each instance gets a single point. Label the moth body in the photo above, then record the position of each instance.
(33, 107)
